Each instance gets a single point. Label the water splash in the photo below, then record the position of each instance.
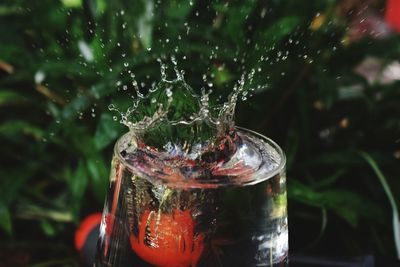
(172, 118)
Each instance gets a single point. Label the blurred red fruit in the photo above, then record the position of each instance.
(392, 16)
(85, 228)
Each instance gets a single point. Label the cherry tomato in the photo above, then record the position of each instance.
(168, 240)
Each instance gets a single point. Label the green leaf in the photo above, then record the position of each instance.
(12, 182)
(179, 9)
(17, 127)
(145, 24)
(237, 14)
(79, 104)
(47, 227)
(99, 176)
(104, 89)
(329, 180)
(72, 3)
(281, 28)
(9, 10)
(221, 76)
(77, 182)
(8, 97)
(31, 211)
(346, 204)
(107, 131)
(5, 219)
(389, 194)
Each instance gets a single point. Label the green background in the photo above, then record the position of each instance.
(63, 62)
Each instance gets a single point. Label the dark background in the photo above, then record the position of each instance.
(326, 88)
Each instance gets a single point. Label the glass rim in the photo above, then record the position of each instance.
(281, 166)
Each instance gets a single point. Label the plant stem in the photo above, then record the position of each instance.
(389, 194)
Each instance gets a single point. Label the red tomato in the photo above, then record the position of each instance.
(168, 240)
(392, 16)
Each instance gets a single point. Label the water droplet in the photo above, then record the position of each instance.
(187, 28)
(115, 118)
(126, 64)
(39, 77)
(169, 92)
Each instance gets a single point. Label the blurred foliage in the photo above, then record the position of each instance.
(63, 62)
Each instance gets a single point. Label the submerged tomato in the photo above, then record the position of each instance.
(168, 240)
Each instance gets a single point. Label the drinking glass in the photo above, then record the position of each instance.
(235, 215)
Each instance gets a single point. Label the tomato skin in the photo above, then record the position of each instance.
(392, 17)
(168, 240)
